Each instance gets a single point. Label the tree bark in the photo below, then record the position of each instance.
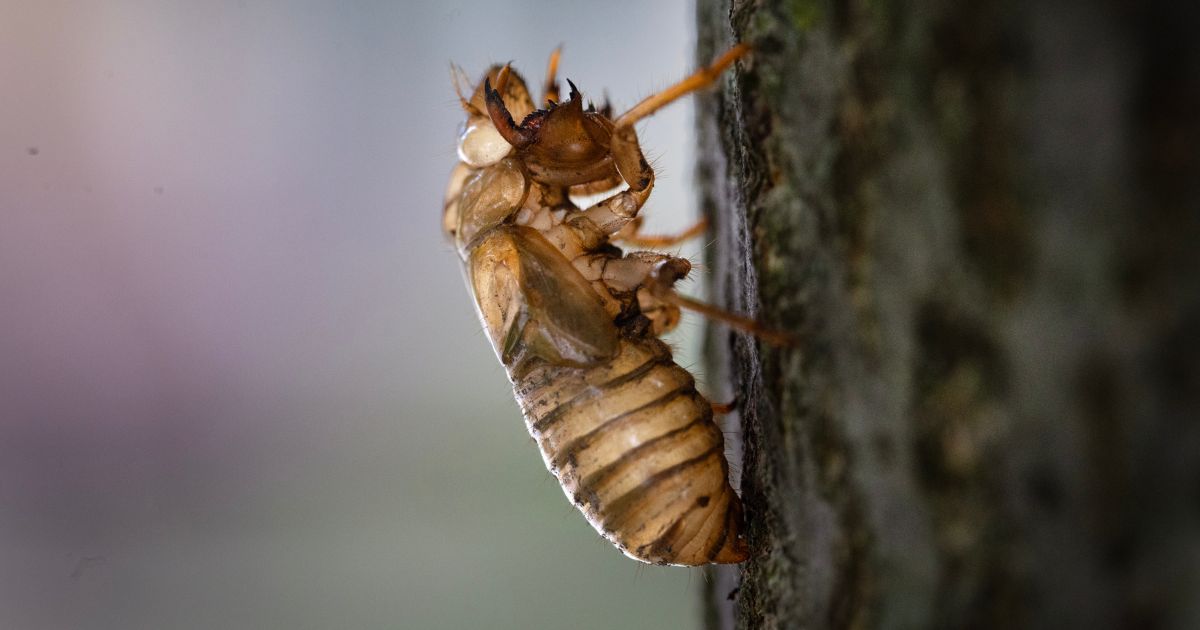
(982, 221)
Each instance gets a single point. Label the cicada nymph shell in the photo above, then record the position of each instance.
(575, 320)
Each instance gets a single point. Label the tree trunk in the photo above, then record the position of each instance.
(982, 221)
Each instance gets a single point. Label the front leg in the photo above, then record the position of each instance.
(615, 212)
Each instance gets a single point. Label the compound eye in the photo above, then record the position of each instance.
(481, 145)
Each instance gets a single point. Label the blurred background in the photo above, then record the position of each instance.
(241, 381)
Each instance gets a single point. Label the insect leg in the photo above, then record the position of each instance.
(700, 79)
(659, 285)
(725, 408)
(550, 87)
(733, 320)
(653, 277)
(615, 212)
(635, 270)
(636, 238)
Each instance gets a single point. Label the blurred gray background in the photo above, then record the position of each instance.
(241, 381)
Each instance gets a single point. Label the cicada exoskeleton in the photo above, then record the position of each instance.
(575, 320)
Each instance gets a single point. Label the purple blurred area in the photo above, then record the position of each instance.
(241, 384)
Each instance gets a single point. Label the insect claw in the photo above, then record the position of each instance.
(501, 118)
(574, 90)
(487, 89)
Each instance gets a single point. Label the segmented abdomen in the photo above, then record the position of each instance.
(635, 448)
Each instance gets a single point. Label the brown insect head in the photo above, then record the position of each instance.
(564, 137)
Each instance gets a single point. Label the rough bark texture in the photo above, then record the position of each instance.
(983, 221)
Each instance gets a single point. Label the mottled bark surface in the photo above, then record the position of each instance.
(983, 221)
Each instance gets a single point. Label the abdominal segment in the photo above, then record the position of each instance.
(635, 447)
